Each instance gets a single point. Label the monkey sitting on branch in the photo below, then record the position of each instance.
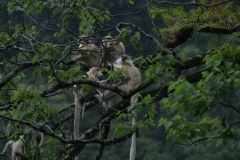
(112, 50)
(17, 147)
(91, 57)
(132, 79)
(80, 96)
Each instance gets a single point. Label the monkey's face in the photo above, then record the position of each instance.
(125, 59)
(83, 44)
(97, 72)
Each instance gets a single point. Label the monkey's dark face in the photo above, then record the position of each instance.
(126, 58)
(123, 60)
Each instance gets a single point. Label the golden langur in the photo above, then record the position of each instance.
(91, 57)
(132, 79)
(17, 146)
(112, 50)
(93, 75)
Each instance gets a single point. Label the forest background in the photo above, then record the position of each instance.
(153, 142)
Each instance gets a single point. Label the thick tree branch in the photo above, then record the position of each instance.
(186, 33)
(191, 3)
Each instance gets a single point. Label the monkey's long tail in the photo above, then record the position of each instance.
(134, 121)
(76, 120)
(133, 143)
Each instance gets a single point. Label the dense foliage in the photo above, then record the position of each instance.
(188, 55)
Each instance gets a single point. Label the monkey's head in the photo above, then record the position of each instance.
(84, 41)
(96, 71)
(124, 59)
(82, 44)
(108, 41)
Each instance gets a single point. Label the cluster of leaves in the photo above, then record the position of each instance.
(37, 69)
(196, 100)
(179, 18)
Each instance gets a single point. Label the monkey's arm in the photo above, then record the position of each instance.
(127, 79)
(7, 146)
(105, 96)
(108, 95)
(103, 81)
(78, 57)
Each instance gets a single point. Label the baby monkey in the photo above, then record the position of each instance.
(93, 75)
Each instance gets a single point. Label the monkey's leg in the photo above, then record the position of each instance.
(134, 122)
(103, 81)
(7, 146)
(105, 96)
(17, 149)
(109, 94)
(75, 57)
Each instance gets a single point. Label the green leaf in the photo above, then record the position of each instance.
(2, 97)
(30, 8)
(48, 56)
(236, 83)
(86, 89)
(147, 100)
(219, 142)
(107, 17)
(217, 63)
(163, 121)
(119, 130)
(135, 39)
(179, 8)
(151, 113)
(35, 58)
(168, 125)
(179, 89)
(50, 4)
(228, 64)
(137, 46)
(131, 1)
